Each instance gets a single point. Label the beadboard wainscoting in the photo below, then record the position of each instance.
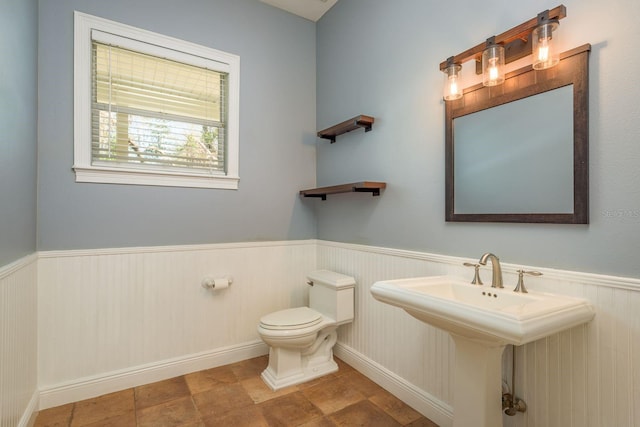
(586, 376)
(18, 342)
(110, 319)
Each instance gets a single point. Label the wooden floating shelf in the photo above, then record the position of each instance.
(356, 187)
(358, 122)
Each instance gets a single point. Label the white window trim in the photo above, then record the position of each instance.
(85, 171)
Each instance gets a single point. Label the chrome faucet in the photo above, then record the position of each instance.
(496, 280)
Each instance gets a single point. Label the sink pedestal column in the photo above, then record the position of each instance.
(477, 392)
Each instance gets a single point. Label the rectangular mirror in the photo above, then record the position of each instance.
(538, 163)
(518, 152)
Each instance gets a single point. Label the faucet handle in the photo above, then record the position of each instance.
(476, 278)
(520, 286)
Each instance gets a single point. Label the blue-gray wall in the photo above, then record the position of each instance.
(381, 58)
(373, 57)
(18, 138)
(277, 128)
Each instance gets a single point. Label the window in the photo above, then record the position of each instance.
(153, 110)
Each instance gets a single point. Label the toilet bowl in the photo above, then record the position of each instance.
(301, 339)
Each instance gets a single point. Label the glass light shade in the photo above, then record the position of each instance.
(452, 82)
(545, 46)
(493, 65)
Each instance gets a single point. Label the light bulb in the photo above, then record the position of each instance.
(545, 41)
(493, 70)
(452, 82)
(543, 52)
(493, 65)
(453, 86)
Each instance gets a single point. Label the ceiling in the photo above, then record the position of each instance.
(309, 9)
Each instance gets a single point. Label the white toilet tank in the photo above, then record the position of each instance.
(331, 294)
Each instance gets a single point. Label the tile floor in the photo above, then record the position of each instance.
(234, 395)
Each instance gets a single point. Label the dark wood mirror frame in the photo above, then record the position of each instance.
(572, 69)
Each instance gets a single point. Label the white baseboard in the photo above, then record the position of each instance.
(29, 416)
(429, 406)
(89, 387)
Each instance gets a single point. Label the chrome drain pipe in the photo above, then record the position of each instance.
(511, 405)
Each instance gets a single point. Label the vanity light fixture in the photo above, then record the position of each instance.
(545, 42)
(452, 80)
(537, 36)
(493, 63)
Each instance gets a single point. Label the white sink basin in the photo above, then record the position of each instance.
(482, 312)
(481, 320)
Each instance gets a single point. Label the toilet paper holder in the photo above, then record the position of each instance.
(216, 282)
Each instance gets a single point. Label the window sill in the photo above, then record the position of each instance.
(105, 175)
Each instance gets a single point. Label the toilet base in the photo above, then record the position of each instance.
(289, 367)
(308, 374)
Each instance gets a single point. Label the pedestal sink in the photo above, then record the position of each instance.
(481, 320)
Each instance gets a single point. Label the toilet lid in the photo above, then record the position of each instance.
(292, 318)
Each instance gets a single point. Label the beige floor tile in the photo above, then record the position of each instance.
(395, 407)
(291, 410)
(235, 395)
(127, 419)
(319, 422)
(173, 413)
(102, 408)
(317, 381)
(250, 368)
(246, 417)
(260, 392)
(343, 368)
(219, 400)
(55, 417)
(363, 413)
(210, 378)
(422, 422)
(361, 383)
(160, 392)
(333, 395)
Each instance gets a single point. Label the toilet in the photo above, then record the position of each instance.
(301, 339)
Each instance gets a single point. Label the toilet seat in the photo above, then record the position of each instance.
(291, 319)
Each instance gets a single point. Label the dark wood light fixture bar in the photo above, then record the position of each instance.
(357, 122)
(516, 41)
(357, 187)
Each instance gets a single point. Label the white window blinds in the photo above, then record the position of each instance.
(149, 111)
